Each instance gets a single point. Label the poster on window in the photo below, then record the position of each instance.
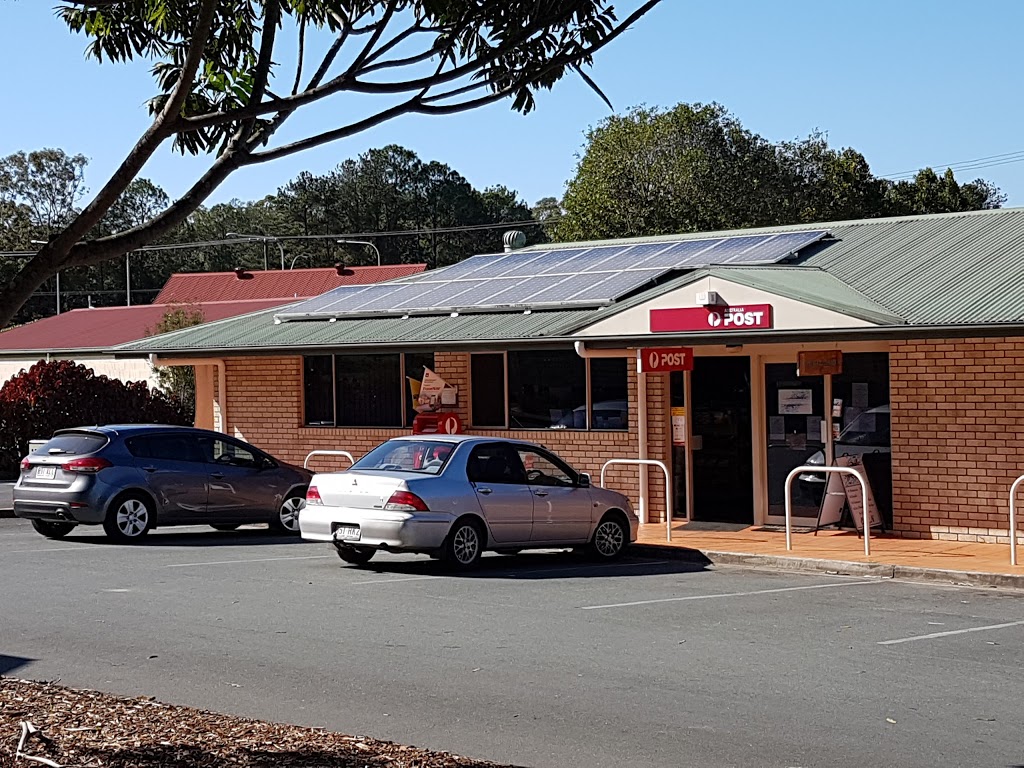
(799, 402)
(678, 426)
(433, 393)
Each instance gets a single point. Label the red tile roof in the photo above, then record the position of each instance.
(200, 287)
(96, 329)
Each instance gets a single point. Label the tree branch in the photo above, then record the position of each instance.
(161, 128)
(271, 17)
(301, 55)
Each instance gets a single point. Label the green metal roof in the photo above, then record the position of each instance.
(259, 331)
(960, 269)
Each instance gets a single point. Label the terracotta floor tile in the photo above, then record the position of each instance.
(845, 545)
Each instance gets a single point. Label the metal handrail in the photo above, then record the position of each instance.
(1013, 519)
(865, 515)
(311, 454)
(643, 500)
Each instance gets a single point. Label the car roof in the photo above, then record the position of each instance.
(460, 439)
(127, 429)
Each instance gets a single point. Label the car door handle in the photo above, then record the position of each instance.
(217, 475)
(484, 491)
(541, 493)
(149, 469)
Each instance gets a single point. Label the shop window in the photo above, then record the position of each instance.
(318, 386)
(415, 363)
(487, 374)
(368, 390)
(547, 389)
(609, 393)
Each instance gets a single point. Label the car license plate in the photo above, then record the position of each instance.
(46, 473)
(347, 533)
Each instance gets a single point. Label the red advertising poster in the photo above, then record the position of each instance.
(665, 359)
(749, 317)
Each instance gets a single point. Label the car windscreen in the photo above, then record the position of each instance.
(426, 456)
(72, 444)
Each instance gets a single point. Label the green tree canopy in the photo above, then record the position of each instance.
(222, 87)
(696, 168)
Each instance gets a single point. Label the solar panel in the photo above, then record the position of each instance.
(581, 276)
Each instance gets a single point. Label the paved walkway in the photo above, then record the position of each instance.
(6, 503)
(830, 547)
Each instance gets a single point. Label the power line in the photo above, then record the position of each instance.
(989, 161)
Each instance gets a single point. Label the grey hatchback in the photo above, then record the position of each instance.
(131, 478)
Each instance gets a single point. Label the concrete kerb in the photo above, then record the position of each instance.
(834, 567)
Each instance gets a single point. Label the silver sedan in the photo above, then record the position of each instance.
(455, 496)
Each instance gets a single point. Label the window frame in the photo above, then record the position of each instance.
(589, 404)
(406, 414)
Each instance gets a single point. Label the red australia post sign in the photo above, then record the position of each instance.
(749, 317)
(666, 359)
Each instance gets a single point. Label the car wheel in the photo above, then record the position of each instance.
(610, 539)
(356, 555)
(53, 530)
(225, 526)
(129, 518)
(464, 545)
(287, 518)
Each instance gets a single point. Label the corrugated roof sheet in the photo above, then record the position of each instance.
(199, 287)
(260, 331)
(945, 269)
(102, 327)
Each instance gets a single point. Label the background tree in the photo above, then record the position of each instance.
(696, 168)
(220, 92)
(178, 382)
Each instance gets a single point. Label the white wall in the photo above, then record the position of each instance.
(132, 369)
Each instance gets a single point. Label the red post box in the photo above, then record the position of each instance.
(437, 423)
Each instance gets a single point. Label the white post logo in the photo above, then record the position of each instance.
(736, 317)
(714, 319)
(653, 360)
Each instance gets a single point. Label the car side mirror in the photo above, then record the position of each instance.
(584, 480)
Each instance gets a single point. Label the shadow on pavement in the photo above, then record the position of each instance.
(10, 663)
(169, 537)
(536, 565)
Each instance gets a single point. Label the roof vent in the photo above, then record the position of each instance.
(514, 239)
(241, 274)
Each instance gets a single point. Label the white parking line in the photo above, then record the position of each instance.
(729, 594)
(52, 549)
(951, 632)
(584, 566)
(389, 581)
(253, 560)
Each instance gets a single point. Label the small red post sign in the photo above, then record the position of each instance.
(751, 316)
(665, 359)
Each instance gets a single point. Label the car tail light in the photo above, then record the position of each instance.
(86, 466)
(403, 501)
(26, 465)
(313, 496)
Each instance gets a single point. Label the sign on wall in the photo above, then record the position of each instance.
(748, 317)
(819, 363)
(678, 426)
(665, 359)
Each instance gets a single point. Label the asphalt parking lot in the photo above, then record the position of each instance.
(541, 659)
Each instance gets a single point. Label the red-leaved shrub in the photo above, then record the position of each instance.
(59, 394)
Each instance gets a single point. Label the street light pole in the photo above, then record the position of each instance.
(361, 242)
(261, 239)
(44, 242)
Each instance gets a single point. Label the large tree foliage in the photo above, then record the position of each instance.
(221, 89)
(696, 168)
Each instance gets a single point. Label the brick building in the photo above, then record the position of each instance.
(546, 343)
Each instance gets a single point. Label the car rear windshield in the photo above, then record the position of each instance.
(427, 456)
(72, 444)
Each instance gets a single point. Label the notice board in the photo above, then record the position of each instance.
(843, 490)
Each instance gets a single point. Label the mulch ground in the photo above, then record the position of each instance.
(86, 729)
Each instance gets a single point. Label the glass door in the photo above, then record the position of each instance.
(796, 423)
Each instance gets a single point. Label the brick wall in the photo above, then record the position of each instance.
(265, 408)
(957, 436)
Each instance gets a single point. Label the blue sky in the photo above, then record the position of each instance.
(907, 82)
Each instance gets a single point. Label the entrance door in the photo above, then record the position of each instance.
(796, 410)
(723, 467)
